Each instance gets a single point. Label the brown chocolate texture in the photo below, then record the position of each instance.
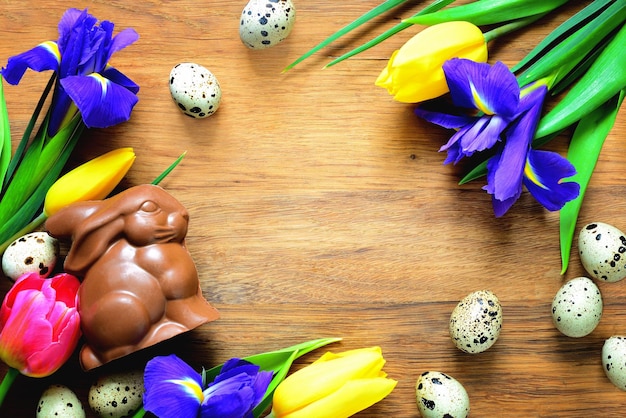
(139, 284)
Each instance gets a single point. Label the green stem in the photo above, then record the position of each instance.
(8, 380)
(28, 228)
(511, 27)
(140, 413)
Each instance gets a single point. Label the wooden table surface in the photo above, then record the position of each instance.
(321, 208)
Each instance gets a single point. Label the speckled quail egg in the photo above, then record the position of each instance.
(602, 249)
(264, 23)
(36, 252)
(577, 307)
(476, 321)
(195, 90)
(59, 401)
(439, 395)
(614, 360)
(117, 395)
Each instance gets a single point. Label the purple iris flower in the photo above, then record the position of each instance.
(489, 97)
(492, 112)
(516, 163)
(174, 389)
(103, 95)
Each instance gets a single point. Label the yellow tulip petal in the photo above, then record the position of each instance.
(351, 398)
(414, 72)
(93, 180)
(325, 376)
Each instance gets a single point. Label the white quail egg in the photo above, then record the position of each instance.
(195, 90)
(476, 321)
(614, 360)
(602, 249)
(59, 401)
(439, 395)
(577, 307)
(36, 252)
(117, 395)
(264, 23)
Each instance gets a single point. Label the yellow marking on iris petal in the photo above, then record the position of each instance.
(530, 175)
(191, 387)
(52, 48)
(479, 103)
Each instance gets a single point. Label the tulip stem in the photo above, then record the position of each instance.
(28, 228)
(511, 27)
(8, 380)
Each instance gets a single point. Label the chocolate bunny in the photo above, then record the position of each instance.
(139, 284)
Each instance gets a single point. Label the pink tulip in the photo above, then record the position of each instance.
(39, 323)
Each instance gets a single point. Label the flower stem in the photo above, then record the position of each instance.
(8, 380)
(511, 27)
(140, 413)
(28, 228)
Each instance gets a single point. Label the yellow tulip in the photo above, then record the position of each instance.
(93, 180)
(335, 386)
(414, 72)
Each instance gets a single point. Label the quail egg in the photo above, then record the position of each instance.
(614, 360)
(117, 395)
(36, 252)
(602, 249)
(577, 307)
(476, 321)
(195, 90)
(439, 395)
(264, 23)
(59, 401)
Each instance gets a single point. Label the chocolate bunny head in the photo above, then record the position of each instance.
(142, 215)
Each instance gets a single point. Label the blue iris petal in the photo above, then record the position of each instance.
(120, 79)
(101, 102)
(506, 169)
(544, 176)
(490, 89)
(172, 388)
(443, 119)
(43, 57)
(235, 392)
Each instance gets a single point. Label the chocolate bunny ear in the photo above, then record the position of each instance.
(92, 225)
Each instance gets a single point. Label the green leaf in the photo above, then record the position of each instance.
(5, 135)
(583, 153)
(604, 79)
(561, 31)
(477, 172)
(378, 10)
(488, 12)
(22, 216)
(38, 161)
(21, 148)
(169, 169)
(573, 49)
(437, 5)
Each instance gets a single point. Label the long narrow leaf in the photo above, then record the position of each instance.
(21, 148)
(604, 79)
(583, 153)
(29, 208)
(437, 5)
(378, 10)
(487, 12)
(562, 30)
(169, 169)
(5, 135)
(573, 49)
